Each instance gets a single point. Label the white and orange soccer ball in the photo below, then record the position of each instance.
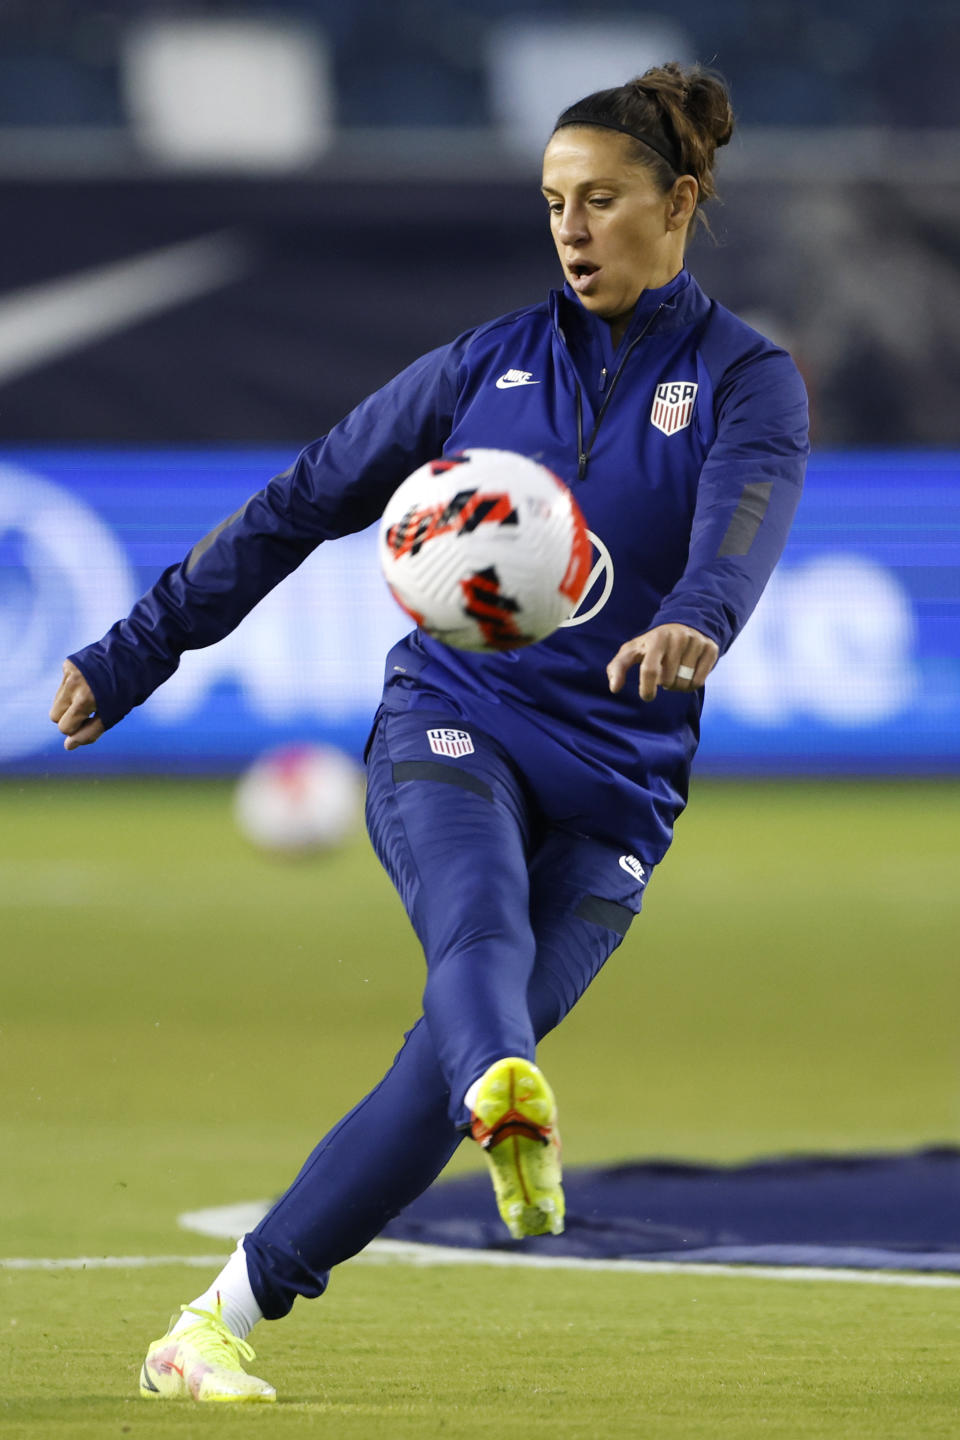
(485, 550)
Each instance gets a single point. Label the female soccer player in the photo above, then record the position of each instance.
(521, 859)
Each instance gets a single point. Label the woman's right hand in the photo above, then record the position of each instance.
(74, 709)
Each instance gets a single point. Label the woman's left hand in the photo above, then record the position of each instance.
(672, 656)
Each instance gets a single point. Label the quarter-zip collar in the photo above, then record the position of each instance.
(587, 338)
(583, 330)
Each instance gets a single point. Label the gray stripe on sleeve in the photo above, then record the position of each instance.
(607, 913)
(202, 546)
(746, 519)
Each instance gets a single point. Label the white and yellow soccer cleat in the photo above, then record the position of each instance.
(202, 1362)
(514, 1120)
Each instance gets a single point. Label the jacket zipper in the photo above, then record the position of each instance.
(583, 455)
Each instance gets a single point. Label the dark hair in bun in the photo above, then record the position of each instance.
(677, 117)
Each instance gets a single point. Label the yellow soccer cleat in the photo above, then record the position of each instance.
(514, 1120)
(202, 1362)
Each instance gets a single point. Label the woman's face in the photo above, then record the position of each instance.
(616, 234)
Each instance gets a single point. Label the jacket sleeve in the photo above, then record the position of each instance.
(747, 493)
(337, 485)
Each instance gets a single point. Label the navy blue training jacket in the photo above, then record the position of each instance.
(686, 451)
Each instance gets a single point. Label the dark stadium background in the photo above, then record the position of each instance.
(181, 1016)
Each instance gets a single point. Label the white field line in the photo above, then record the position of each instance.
(401, 1252)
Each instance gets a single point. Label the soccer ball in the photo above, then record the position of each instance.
(297, 799)
(485, 550)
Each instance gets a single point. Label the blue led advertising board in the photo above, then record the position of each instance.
(851, 662)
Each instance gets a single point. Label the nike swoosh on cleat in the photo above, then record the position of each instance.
(145, 1381)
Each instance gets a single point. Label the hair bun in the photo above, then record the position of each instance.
(682, 113)
(708, 105)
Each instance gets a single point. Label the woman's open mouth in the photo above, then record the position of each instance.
(582, 273)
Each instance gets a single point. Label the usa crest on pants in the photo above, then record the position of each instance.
(450, 742)
(673, 405)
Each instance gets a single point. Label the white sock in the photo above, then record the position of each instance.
(470, 1099)
(240, 1309)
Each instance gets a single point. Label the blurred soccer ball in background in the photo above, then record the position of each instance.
(485, 550)
(299, 798)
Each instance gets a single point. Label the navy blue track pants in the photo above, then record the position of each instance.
(515, 918)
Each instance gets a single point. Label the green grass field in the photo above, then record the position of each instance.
(182, 1018)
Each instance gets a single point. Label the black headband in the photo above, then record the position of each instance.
(657, 144)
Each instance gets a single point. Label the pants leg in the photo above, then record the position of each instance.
(453, 833)
(392, 1145)
(377, 1159)
(582, 901)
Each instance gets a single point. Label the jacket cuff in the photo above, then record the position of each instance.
(110, 709)
(721, 634)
